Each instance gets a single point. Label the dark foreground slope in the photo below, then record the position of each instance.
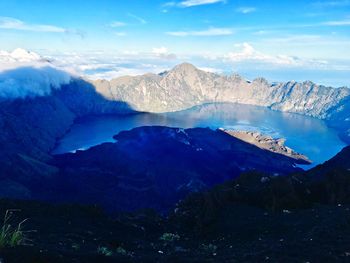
(328, 184)
(154, 167)
(254, 218)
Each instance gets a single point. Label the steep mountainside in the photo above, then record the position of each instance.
(254, 218)
(328, 183)
(185, 86)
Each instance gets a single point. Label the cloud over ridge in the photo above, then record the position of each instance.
(25, 73)
(31, 81)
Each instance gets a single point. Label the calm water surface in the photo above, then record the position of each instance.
(306, 135)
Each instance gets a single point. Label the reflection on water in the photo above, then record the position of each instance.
(306, 135)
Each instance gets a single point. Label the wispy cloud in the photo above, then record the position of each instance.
(120, 34)
(345, 22)
(117, 24)
(163, 52)
(190, 3)
(16, 24)
(139, 19)
(248, 53)
(213, 31)
(245, 10)
(335, 3)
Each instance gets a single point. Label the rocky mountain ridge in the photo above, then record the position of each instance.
(186, 86)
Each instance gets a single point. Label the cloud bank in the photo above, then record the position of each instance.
(31, 81)
(24, 73)
(27, 74)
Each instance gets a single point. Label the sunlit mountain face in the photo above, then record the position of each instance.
(174, 131)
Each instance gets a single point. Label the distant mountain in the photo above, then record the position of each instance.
(185, 86)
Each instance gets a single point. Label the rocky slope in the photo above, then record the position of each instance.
(185, 86)
(254, 218)
(328, 183)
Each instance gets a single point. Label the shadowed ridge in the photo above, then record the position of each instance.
(30, 127)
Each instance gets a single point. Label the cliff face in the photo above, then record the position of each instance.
(186, 86)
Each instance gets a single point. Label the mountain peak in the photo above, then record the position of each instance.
(185, 67)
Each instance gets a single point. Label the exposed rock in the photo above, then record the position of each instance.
(267, 142)
(186, 86)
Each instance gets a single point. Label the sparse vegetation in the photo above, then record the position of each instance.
(169, 237)
(121, 251)
(210, 248)
(102, 250)
(105, 251)
(12, 235)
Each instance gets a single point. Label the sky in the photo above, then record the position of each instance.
(278, 40)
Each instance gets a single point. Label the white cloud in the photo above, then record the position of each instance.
(117, 24)
(345, 22)
(120, 34)
(31, 81)
(246, 10)
(247, 53)
(139, 19)
(211, 70)
(190, 3)
(163, 52)
(160, 50)
(213, 31)
(13, 23)
(19, 55)
(335, 3)
(100, 64)
(26, 74)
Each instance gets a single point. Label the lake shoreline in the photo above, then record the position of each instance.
(309, 136)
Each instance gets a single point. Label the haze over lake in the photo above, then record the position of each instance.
(306, 135)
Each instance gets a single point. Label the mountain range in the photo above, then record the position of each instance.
(186, 86)
(31, 125)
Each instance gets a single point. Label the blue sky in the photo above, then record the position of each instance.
(277, 39)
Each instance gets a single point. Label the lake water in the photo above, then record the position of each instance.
(305, 135)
